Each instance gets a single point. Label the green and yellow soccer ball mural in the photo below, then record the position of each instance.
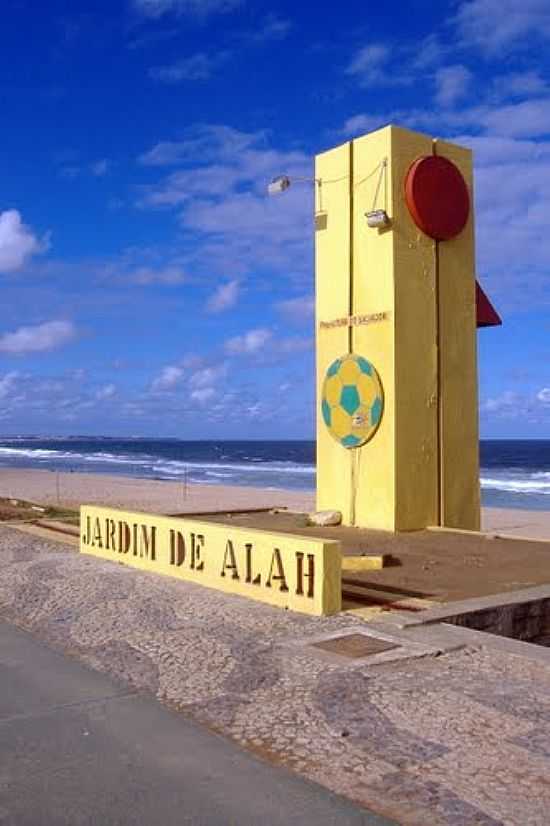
(352, 400)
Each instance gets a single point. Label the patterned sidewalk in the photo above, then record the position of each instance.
(461, 738)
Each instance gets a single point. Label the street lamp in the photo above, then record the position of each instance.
(282, 183)
(278, 185)
(377, 217)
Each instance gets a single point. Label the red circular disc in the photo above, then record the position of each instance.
(437, 197)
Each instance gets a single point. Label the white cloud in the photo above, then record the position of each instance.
(368, 62)
(199, 66)
(379, 65)
(237, 169)
(512, 190)
(168, 379)
(494, 25)
(199, 8)
(273, 27)
(126, 270)
(105, 392)
(258, 411)
(192, 361)
(8, 383)
(17, 242)
(202, 143)
(203, 395)
(425, 119)
(494, 149)
(73, 171)
(265, 347)
(364, 123)
(246, 227)
(509, 404)
(73, 399)
(224, 298)
(100, 168)
(40, 338)
(529, 118)
(522, 119)
(294, 344)
(169, 276)
(520, 84)
(452, 84)
(297, 309)
(206, 384)
(270, 28)
(200, 386)
(181, 187)
(66, 398)
(222, 190)
(207, 376)
(428, 52)
(512, 405)
(249, 343)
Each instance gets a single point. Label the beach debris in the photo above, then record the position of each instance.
(324, 519)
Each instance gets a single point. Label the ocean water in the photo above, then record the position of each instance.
(514, 474)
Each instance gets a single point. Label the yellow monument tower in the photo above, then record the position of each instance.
(397, 305)
(397, 420)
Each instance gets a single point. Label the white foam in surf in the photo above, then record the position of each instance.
(266, 467)
(37, 453)
(524, 486)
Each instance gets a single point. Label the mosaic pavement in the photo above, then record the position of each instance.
(460, 738)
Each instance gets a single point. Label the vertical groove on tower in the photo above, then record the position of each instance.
(351, 247)
(353, 475)
(439, 400)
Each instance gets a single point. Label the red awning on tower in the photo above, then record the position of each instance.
(487, 316)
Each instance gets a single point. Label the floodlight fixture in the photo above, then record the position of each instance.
(278, 185)
(282, 183)
(377, 218)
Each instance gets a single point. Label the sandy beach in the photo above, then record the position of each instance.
(530, 524)
(73, 489)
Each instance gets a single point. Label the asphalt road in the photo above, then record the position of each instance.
(78, 749)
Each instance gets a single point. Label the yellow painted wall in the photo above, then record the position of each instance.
(458, 353)
(416, 464)
(332, 290)
(409, 475)
(373, 291)
(295, 572)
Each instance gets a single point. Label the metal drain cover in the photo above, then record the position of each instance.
(355, 645)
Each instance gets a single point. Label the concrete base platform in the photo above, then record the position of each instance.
(432, 565)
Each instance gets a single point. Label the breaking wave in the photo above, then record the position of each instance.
(513, 473)
(254, 471)
(535, 483)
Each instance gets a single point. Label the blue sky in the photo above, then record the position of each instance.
(149, 285)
